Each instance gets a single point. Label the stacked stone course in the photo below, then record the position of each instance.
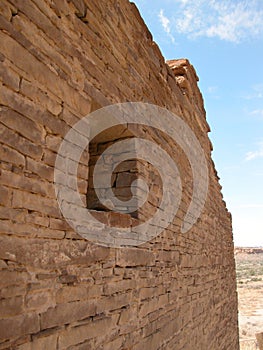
(59, 61)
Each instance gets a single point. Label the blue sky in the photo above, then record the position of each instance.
(224, 41)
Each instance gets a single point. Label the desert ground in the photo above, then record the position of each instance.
(249, 266)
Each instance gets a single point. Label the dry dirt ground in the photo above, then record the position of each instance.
(249, 265)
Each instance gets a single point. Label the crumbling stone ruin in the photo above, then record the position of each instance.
(61, 60)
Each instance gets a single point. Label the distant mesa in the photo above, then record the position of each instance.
(248, 250)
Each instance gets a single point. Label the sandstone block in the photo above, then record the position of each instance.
(169, 256)
(11, 306)
(38, 301)
(27, 62)
(134, 257)
(59, 224)
(7, 9)
(119, 220)
(8, 154)
(9, 277)
(67, 313)
(26, 147)
(90, 330)
(18, 326)
(13, 290)
(46, 253)
(114, 302)
(35, 218)
(259, 337)
(48, 342)
(5, 196)
(115, 344)
(81, 8)
(148, 307)
(71, 293)
(9, 76)
(128, 315)
(95, 291)
(40, 169)
(19, 181)
(50, 234)
(35, 202)
(149, 292)
(119, 286)
(24, 126)
(125, 179)
(46, 100)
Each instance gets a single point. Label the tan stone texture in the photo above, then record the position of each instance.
(60, 60)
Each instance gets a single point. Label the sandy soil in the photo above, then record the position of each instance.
(250, 298)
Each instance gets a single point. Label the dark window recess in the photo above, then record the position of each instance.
(122, 177)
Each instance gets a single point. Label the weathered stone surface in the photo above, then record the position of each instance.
(11, 179)
(47, 342)
(66, 314)
(43, 253)
(115, 344)
(114, 302)
(9, 77)
(60, 60)
(26, 147)
(90, 330)
(22, 125)
(8, 154)
(39, 300)
(259, 337)
(5, 196)
(10, 277)
(14, 327)
(71, 293)
(35, 202)
(134, 257)
(11, 306)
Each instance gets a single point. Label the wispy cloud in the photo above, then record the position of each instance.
(256, 92)
(258, 153)
(165, 22)
(213, 92)
(227, 20)
(212, 89)
(257, 113)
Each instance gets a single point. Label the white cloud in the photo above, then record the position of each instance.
(166, 24)
(213, 92)
(257, 92)
(258, 153)
(257, 112)
(212, 89)
(227, 20)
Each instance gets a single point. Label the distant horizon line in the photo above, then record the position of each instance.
(257, 246)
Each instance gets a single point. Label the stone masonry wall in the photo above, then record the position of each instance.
(60, 60)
